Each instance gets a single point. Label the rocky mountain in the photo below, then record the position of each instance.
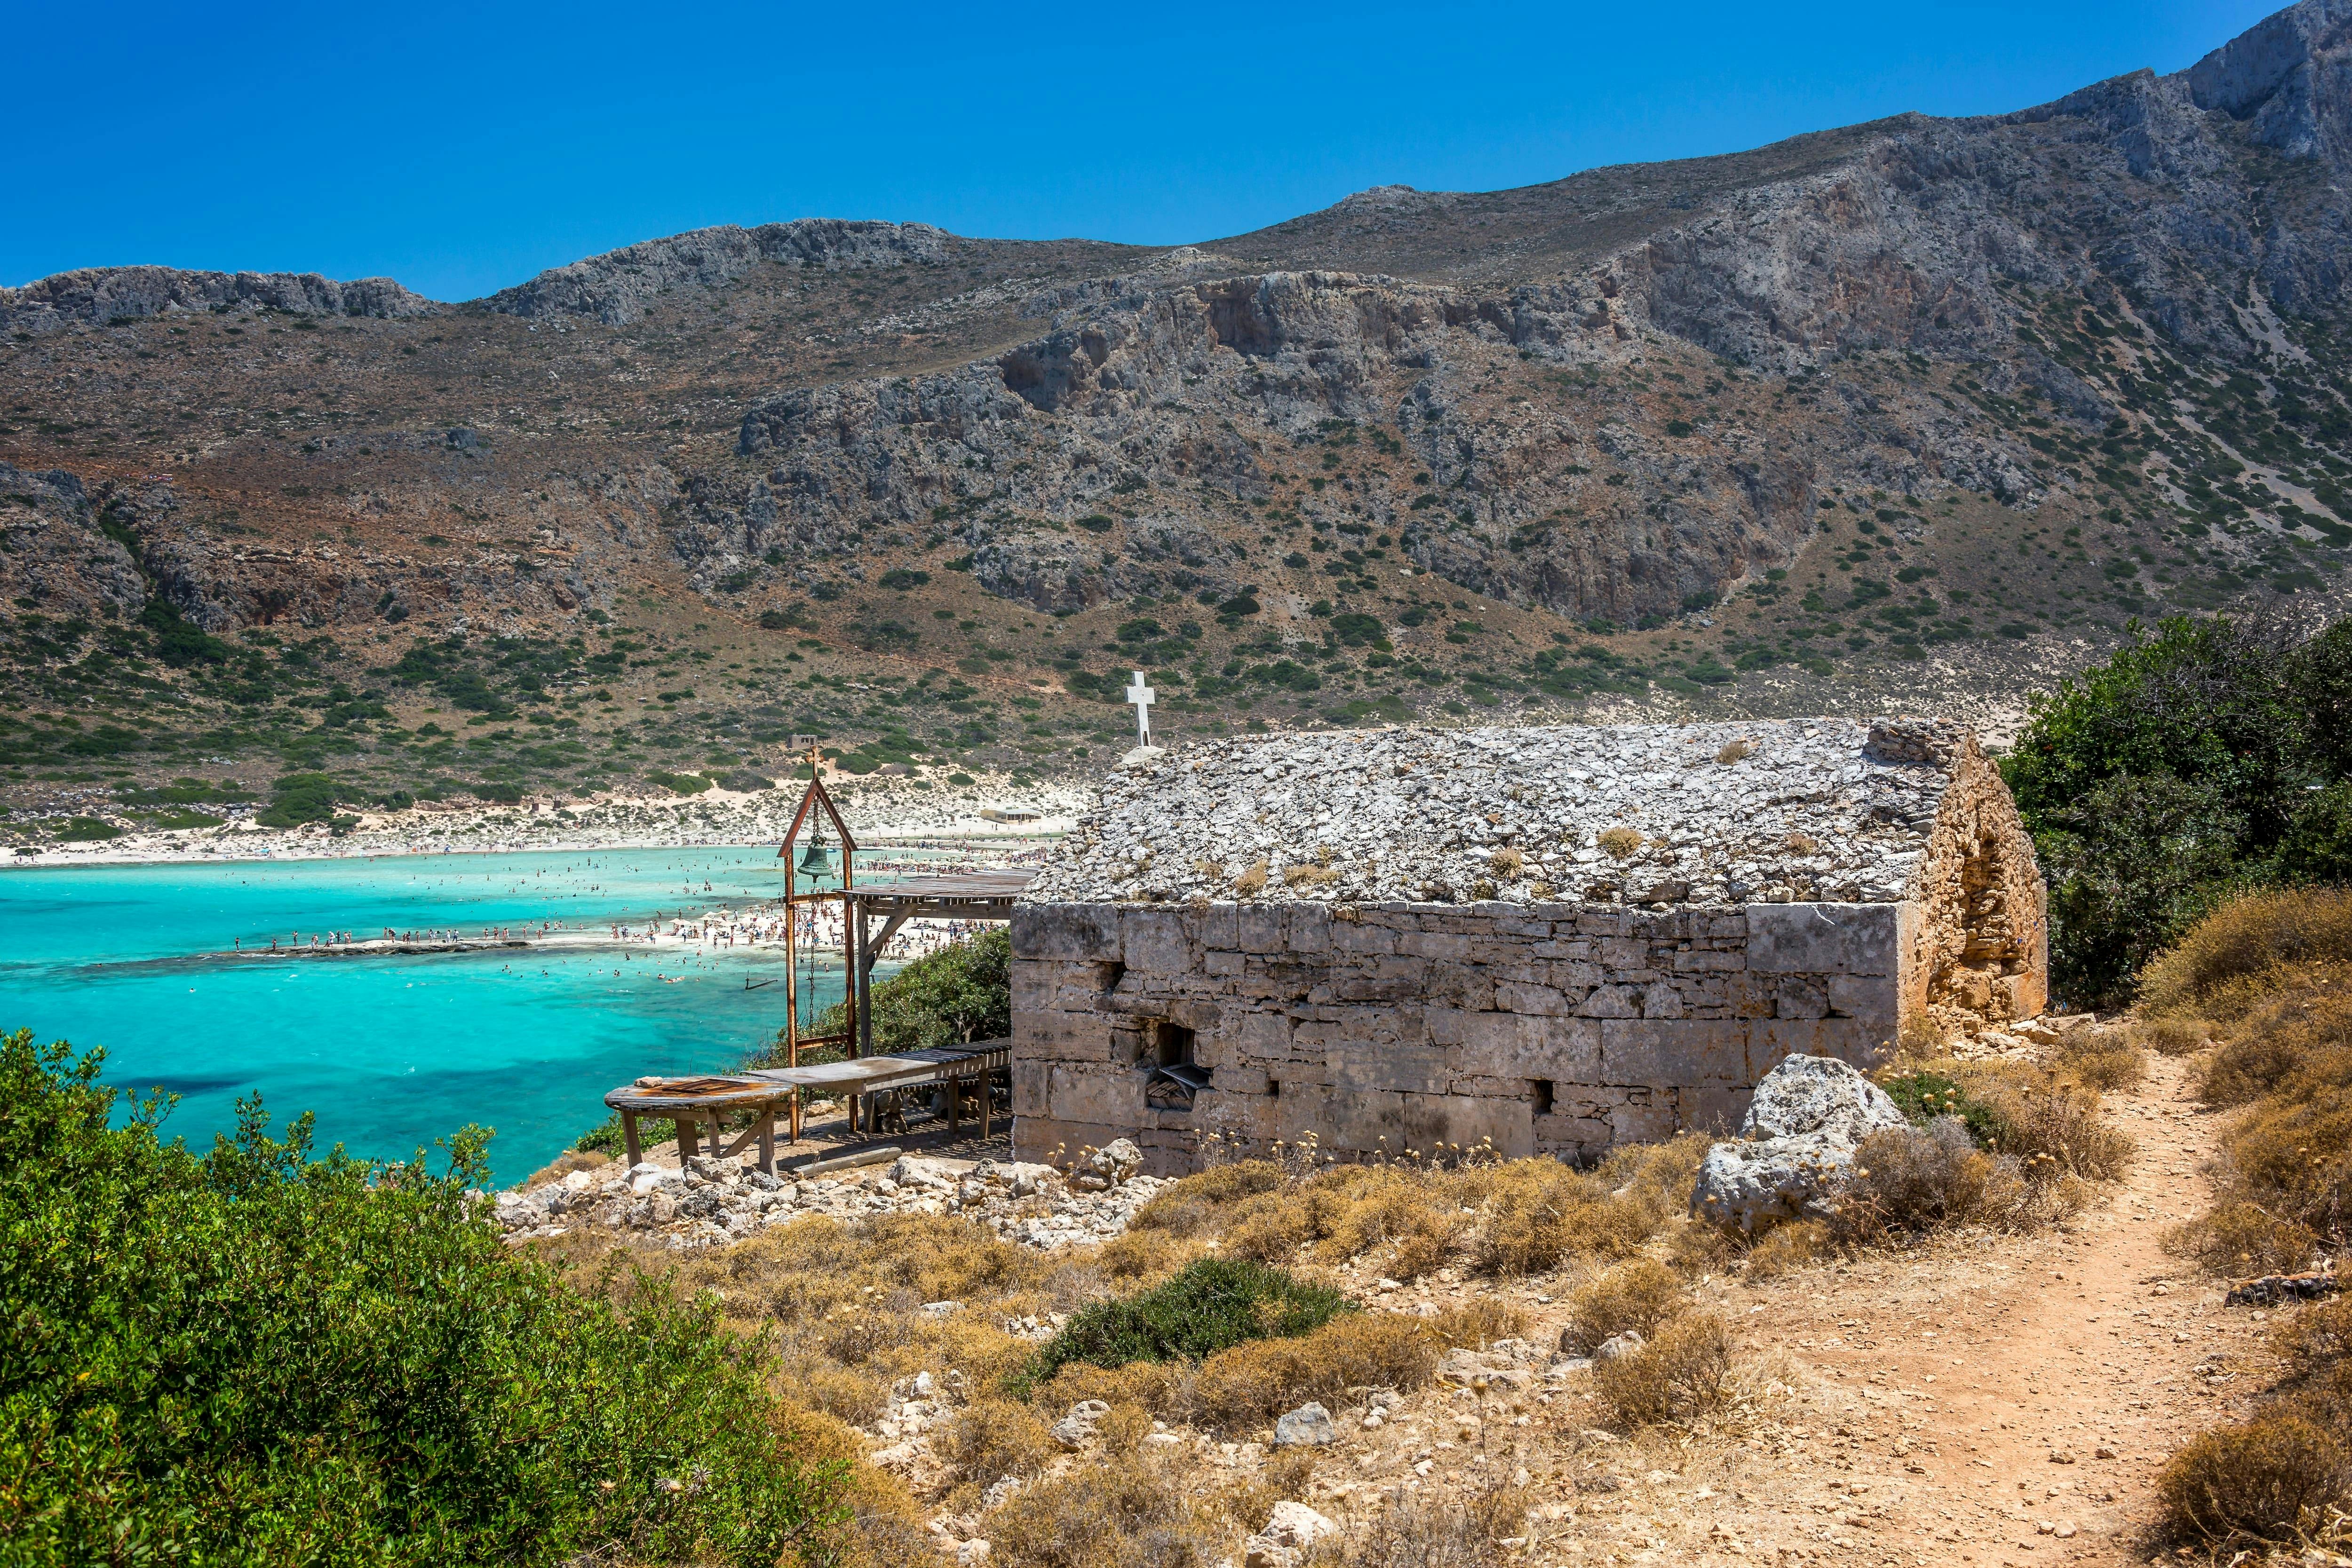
(1907, 415)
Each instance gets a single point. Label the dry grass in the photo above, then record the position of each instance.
(1684, 1372)
(1621, 843)
(1507, 863)
(1637, 1295)
(2106, 1059)
(2172, 1036)
(1785, 1248)
(1139, 1508)
(2052, 1125)
(1252, 1383)
(2243, 1238)
(2316, 1345)
(2272, 1479)
(1418, 1533)
(1252, 881)
(993, 1438)
(2228, 960)
(2297, 1026)
(1733, 750)
(1308, 876)
(1502, 1218)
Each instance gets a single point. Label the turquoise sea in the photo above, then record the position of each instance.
(393, 1053)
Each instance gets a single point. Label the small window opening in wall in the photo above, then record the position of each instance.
(1176, 1078)
(1542, 1086)
(1274, 1088)
(1172, 1044)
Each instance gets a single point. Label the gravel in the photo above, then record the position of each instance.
(1708, 814)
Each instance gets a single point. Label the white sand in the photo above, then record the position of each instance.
(880, 813)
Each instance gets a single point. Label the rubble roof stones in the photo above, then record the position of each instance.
(1709, 814)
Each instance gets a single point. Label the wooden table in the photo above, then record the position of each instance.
(883, 1077)
(689, 1101)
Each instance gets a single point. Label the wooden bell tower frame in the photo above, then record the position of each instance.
(813, 799)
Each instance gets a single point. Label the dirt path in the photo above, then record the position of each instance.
(1981, 1400)
(1994, 1400)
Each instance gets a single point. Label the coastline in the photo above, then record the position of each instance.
(901, 818)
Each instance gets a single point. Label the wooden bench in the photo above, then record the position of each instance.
(692, 1102)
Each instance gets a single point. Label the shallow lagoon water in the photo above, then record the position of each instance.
(391, 1052)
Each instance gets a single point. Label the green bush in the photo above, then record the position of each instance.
(2205, 758)
(952, 996)
(1923, 1096)
(87, 830)
(1200, 1310)
(300, 798)
(255, 1356)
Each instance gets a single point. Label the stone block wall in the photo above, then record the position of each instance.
(1555, 1030)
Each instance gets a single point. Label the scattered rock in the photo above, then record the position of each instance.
(1310, 1423)
(1617, 1345)
(711, 1202)
(1076, 1429)
(970, 1551)
(1295, 1524)
(1796, 1146)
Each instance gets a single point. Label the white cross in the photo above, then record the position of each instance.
(1141, 696)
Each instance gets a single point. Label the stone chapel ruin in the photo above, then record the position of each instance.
(1557, 939)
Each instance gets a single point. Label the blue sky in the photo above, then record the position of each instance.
(462, 148)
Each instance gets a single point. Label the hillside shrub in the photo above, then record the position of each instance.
(2271, 1479)
(257, 1355)
(2204, 758)
(1680, 1373)
(300, 798)
(953, 997)
(1637, 1295)
(1205, 1307)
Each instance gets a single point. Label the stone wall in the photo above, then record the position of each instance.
(1983, 936)
(1549, 1029)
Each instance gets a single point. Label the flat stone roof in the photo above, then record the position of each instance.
(1708, 814)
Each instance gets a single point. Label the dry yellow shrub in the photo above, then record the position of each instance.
(1788, 1248)
(1478, 1322)
(1507, 863)
(1621, 841)
(1252, 881)
(2242, 1238)
(1637, 1295)
(2275, 1478)
(2209, 970)
(1158, 1386)
(1139, 1508)
(1684, 1371)
(1205, 1203)
(1133, 1256)
(2173, 1035)
(2272, 1041)
(991, 1438)
(1734, 751)
(1247, 1383)
(2106, 1059)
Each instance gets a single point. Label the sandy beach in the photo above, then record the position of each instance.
(889, 814)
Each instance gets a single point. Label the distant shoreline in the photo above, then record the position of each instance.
(716, 820)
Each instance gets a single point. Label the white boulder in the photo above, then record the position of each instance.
(1795, 1151)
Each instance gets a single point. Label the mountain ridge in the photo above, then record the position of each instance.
(1756, 433)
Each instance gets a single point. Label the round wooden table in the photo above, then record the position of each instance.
(691, 1101)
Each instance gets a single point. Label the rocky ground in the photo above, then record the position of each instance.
(711, 1202)
(1981, 1397)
